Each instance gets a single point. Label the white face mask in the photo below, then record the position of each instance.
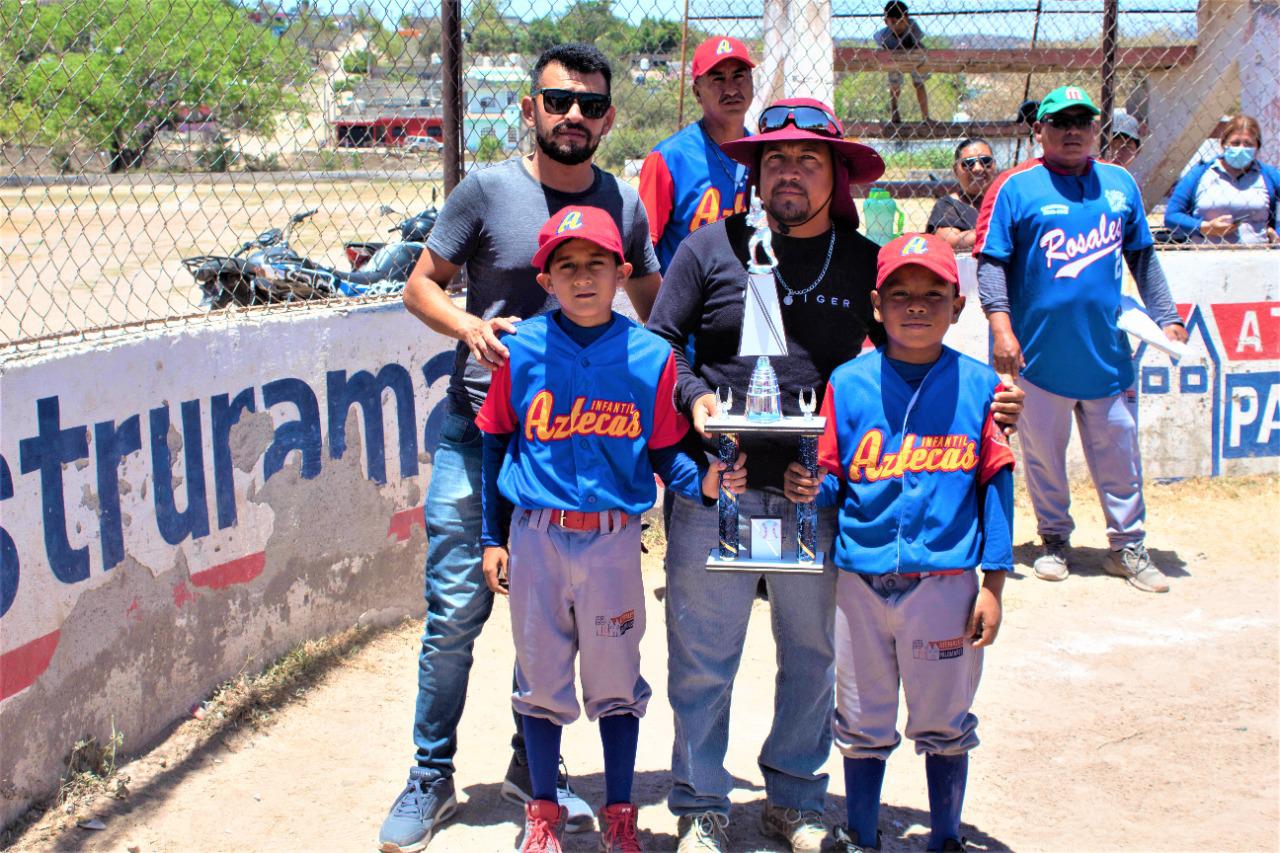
(1238, 156)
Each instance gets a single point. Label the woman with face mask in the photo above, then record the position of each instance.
(954, 216)
(1231, 199)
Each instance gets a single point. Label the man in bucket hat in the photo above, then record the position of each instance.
(802, 168)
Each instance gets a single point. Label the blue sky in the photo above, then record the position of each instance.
(1060, 19)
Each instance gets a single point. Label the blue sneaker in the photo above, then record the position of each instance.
(426, 802)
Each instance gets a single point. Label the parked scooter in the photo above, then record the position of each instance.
(258, 272)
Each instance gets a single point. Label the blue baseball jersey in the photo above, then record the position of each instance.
(911, 463)
(685, 183)
(1062, 238)
(583, 418)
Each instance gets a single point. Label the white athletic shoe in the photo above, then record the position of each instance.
(1133, 563)
(702, 832)
(1052, 564)
(516, 788)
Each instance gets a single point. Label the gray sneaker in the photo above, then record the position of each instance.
(804, 831)
(1052, 564)
(1133, 563)
(517, 788)
(425, 803)
(702, 832)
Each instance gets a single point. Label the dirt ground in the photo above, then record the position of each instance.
(1111, 720)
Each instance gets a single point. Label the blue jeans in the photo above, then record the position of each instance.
(707, 615)
(458, 601)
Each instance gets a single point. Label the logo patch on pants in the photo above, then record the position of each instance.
(615, 626)
(937, 649)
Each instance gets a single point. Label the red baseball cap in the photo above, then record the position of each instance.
(577, 222)
(717, 49)
(926, 250)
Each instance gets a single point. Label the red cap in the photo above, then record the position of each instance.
(577, 222)
(717, 49)
(927, 250)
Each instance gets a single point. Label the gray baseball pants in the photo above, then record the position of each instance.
(895, 628)
(576, 593)
(1109, 437)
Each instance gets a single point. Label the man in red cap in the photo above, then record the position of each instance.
(687, 181)
(802, 167)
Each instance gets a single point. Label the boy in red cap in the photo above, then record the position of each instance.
(576, 423)
(923, 480)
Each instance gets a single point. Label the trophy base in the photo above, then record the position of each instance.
(785, 425)
(780, 567)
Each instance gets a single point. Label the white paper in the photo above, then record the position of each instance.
(762, 318)
(1136, 321)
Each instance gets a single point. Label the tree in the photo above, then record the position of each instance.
(655, 35)
(486, 32)
(589, 21)
(112, 74)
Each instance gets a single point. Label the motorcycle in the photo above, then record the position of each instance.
(266, 269)
(257, 273)
(385, 267)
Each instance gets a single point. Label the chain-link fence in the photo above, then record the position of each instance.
(139, 133)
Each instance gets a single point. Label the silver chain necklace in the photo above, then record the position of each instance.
(791, 294)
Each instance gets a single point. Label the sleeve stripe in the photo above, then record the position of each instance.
(989, 202)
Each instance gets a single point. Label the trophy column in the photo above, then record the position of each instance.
(727, 449)
(806, 514)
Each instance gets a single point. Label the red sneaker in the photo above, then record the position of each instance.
(543, 826)
(618, 829)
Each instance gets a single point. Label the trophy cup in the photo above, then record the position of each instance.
(762, 337)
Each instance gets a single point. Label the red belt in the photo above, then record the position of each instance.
(571, 519)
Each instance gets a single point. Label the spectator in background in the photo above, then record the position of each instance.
(687, 181)
(955, 216)
(902, 33)
(1232, 198)
(1126, 140)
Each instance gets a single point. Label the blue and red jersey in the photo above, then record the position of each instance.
(913, 464)
(583, 419)
(1062, 238)
(685, 183)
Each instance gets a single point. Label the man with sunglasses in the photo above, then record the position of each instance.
(802, 168)
(490, 224)
(1051, 237)
(687, 181)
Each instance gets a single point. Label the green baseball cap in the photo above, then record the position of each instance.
(1064, 97)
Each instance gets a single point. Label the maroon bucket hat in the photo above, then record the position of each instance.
(806, 119)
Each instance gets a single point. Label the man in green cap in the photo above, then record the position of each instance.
(1050, 238)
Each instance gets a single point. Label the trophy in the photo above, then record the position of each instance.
(762, 337)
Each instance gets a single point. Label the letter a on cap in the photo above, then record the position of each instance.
(723, 47)
(572, 222)
(915, 246)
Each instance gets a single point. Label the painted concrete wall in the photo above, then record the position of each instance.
(186, 505)
(1216, 413)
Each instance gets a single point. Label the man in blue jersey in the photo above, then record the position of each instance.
(1051, 238)
(687, 181)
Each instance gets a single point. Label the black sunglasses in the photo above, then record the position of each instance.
(983, 159)
(560, 101)
(810, 119)
(1076, 122)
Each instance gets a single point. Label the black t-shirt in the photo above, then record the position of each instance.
(951, 212)
(702, 297)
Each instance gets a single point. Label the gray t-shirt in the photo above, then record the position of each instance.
(490, 223)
